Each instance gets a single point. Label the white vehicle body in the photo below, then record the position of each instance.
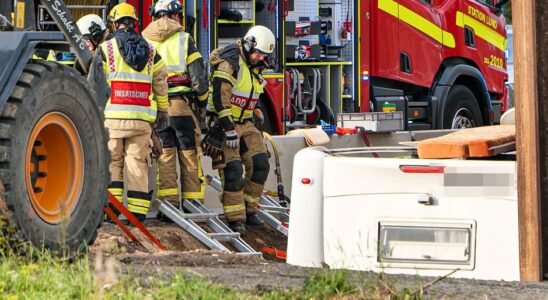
(401, 215)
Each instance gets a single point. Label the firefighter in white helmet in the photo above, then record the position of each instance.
(93, 29)
(137, 77)
(235, 89)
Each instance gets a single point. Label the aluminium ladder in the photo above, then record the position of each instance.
(268, 207)
(200, 214)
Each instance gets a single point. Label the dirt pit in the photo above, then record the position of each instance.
(111, 241)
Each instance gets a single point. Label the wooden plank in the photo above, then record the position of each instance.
(527, 131)
(469, 142)
(541, 12)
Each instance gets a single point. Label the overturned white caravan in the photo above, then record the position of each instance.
(404, 215)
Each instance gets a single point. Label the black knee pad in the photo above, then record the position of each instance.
(233, 173)
(184, 131)
(168, 137)
(261, 167)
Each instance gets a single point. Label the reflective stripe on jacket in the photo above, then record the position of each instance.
(131, 90)
(246, 90)
(174, 52)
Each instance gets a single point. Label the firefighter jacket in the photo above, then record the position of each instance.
(236, 86)
(136, 76)
(185, 66)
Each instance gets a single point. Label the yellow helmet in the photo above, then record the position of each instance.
(123, 10)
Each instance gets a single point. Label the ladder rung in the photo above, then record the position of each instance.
(224, 236)
(273, 208)
(274, 212)
(200, 213)
(202, 217)
(250, 253)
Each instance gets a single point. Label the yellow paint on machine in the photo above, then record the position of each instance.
(418, 22)
(481, 30)
(20, 16)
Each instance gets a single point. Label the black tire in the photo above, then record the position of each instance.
(461, 109)
(45, 89)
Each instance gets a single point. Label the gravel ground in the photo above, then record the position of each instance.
(186, 255)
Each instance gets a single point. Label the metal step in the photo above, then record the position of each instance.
(199, 217)
(271, 208)
(267, 207)
(200, 213)
(224, 237)
(218, 226)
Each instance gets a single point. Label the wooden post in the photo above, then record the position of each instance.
(531, 62)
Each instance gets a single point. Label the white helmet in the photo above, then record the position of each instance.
(167, 8)
(259, 38)
(89, 24)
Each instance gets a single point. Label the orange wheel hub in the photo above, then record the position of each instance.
(55, 167)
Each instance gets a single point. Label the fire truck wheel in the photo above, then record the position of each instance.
(461, 109)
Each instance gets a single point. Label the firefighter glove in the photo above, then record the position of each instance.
(162, 120)
(156, 144)
(258, 117)
(212, 144)
(232, 139)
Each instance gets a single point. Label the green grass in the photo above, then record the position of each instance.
(38, 275)
(27, 273)
(324, 285)
(45, 277)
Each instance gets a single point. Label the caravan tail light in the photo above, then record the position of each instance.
(306, 181)
(422, 169)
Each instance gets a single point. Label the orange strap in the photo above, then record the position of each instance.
(118, 205)
(281, 254)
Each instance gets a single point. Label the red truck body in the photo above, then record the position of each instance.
(422, 55)
(433, 35)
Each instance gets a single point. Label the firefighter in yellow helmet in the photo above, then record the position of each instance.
(137, 77)
(236, 87)
(188, 90)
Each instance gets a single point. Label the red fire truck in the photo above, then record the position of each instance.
(441, 62)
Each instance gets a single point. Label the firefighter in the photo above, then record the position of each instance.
(93, 30)
(137, 77)
(188, 90)
(236, 87)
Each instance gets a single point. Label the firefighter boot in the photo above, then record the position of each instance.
(140, 217)
(237, 226)
(253, 220)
